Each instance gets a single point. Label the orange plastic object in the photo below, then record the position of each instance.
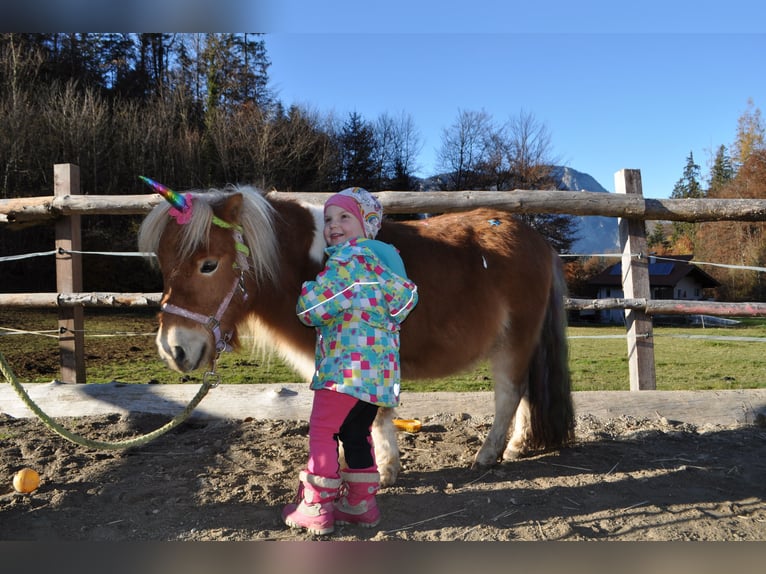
(26, 480)
(408, 425)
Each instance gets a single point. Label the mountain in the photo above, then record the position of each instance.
(596, 234)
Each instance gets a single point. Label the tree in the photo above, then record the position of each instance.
(463, 152)
(20, 69)
(687, 187)
(397, 145)
(357, 149)
(750, 134)
(529, 152)
(735, 242)
(236, 71)
(516, 155)
(721, 173)
(529, 160)
(658, 240)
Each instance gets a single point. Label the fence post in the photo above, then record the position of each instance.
(635, 285)
(66, 181)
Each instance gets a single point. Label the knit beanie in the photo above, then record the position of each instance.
(363, 205)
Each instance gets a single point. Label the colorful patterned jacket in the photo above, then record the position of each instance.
(357, 304)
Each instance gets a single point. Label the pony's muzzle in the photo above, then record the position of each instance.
(184, 349)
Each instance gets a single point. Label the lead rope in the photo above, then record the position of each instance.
(209, 381)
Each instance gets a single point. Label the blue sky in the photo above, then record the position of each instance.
(610, 101)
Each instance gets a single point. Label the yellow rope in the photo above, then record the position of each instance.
(86, 442)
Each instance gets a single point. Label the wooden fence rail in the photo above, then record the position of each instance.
(630, 207)
(47, 209)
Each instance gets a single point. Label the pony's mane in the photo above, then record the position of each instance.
(256, 219)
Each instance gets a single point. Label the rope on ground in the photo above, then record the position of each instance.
(9, 375)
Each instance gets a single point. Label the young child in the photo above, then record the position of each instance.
(356, 304)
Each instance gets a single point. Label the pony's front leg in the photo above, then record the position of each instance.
(386, 446)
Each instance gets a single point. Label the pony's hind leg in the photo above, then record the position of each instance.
(386, 447)
(519, 443)
(510, 387)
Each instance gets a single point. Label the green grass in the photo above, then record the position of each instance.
(596, 363)
(680, 363)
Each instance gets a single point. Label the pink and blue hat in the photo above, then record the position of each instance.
(362, 204)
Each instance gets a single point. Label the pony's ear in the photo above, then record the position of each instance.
(231, 208)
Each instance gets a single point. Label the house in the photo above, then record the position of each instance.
(673, 277)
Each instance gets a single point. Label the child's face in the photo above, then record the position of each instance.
(340, 226)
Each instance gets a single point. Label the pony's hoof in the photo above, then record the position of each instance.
(387, 476)
(511, 455)
(483, 461)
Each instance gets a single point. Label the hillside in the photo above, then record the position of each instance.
(595, 234)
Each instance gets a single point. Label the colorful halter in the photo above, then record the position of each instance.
(181, 210)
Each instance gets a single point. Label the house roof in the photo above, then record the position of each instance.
(663, 272)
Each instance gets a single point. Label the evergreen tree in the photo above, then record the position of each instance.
(118, 54)
(721, 173)
(657, 240)
(235, 67)
(357, 153)
(688, 187)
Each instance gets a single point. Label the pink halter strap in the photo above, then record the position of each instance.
(212, 322)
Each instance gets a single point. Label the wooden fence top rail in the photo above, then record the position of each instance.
(40, 209)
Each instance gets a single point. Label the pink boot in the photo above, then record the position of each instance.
(356, 504)
(314, 511)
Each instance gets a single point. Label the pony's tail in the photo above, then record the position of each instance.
(550, 382)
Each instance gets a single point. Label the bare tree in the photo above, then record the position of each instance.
(464, 148)
(397, 146)
(529, 148)
(19, 69)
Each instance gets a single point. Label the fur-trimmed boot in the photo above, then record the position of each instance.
(356, 504)
(314, 507)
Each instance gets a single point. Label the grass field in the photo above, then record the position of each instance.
(120, 346)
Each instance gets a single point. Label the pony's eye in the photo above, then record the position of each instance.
(208, 267)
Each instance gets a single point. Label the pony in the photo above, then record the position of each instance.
(490, 287)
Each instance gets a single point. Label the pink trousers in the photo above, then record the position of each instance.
(340, 417)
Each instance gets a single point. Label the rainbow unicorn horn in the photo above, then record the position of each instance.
(175, 199)
(181, 203)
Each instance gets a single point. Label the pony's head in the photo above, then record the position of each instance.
(212, 248)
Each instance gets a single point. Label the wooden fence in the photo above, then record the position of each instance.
(67, 205)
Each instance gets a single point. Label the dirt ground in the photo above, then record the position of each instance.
(624, 479)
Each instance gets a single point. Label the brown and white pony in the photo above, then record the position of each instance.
(489, 287)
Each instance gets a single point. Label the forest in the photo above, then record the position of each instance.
(197, 110)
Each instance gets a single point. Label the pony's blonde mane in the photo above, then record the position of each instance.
(256, 219)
